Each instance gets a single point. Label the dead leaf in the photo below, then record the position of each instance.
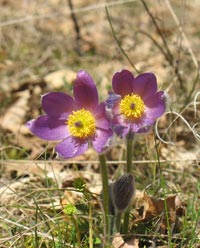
(150, 207)
(57, 79)
(71, 197)
(13, 119)
(118, 242)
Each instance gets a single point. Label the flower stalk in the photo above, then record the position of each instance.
(105, 190)
(128, 170)
(129, 147)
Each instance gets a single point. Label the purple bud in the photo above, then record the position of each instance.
(123, 190)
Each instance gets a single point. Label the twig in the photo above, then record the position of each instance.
(188, 46)
(92, 7)
(76, 26)
(40, 163)
(155, 42)
(117, 41)
(182, 33)
(170, 57)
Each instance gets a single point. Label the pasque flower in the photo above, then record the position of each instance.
(135, 103)
(77, 121)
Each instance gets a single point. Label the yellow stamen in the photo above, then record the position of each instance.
(132, 107)
(81, 124)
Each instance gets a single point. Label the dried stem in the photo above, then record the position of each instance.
(76, 26)
(118, 43)
(168, 55)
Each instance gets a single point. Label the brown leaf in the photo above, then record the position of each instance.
(118, 242)
(57, 79)
(71, 197)
(151, 207)
(13, 119)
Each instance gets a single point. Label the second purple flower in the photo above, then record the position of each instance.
(136, 103)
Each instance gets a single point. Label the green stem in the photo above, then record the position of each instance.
(129, 156)
(105, 191)
(90, 227)
(78, 236)
(118, 222)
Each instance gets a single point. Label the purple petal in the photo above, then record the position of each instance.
(71, 147)
(112, 100)
(85, 91)
(142, 125)
(145, 85)
(58, 103)
(115, 109)
(48, 128)
(120, 126)
(144, 129)
(101, 117)
(102, 139)
(155, 105)
(122, 82)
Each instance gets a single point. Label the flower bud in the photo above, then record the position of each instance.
(123, 190)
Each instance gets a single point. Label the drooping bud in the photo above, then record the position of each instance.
(123, 191)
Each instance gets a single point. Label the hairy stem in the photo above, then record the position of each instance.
(105, 191)
(128, 170)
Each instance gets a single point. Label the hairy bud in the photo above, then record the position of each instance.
(121, 193)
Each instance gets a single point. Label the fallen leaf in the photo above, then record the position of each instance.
(57, 79)
(71, 197)
(150, 207)
(13, 119)
(118, 242)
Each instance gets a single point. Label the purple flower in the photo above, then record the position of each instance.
(137, 104)
(77, 121)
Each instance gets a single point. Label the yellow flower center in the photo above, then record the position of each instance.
(81, 124)
(132, 107)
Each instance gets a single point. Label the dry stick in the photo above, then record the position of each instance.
(158, 29)
(182, 33)
(176, 20)
(26, 164)
(76, 26)
(169, 57)
(92, 7)
(162, 50)
(154, 41)
(118, 43)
